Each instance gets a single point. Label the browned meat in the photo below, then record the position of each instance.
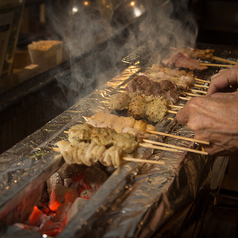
(142, 85)
(206, 54)
(182, 79)
(178, 59)
(172, 95)
(139, 83)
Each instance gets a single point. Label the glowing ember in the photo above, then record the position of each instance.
(50, 217)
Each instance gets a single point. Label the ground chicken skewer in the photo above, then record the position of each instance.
(151, 107)
(119, 101)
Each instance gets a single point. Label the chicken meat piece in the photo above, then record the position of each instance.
(119, 101)
(112, 157)
(80, 132)
(103, 136)
(141, 125)
(139, 84)
(194, 53)
(126, 142)
(179, 59)
(143, 86)
(156, 110)
(137, 107)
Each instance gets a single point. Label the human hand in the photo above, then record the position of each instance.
(213, 119)
(225, 95)
(226, 80)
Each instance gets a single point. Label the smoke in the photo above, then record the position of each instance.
(84, 25)
(170, 23)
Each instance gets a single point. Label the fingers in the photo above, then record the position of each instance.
(218, 83)
(225, 95)
(190, 110)
(224, 81)
(182, 116)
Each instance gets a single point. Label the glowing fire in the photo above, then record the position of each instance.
(51, 218)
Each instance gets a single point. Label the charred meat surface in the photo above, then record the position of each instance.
(143, 85)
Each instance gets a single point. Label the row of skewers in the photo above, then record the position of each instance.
(112, 140)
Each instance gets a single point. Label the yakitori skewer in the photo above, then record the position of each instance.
(138, 160)
(178, 137)
(224, 60)
(211, 56)
(217, 65)
(176, 147)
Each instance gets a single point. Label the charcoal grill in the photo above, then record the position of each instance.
(137, 200)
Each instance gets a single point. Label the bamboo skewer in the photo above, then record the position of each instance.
(143, 160)
(55, 149)
(175, 106)
(146, 145)
(198, 91)
(178, 137)
(223, 60)
(217, 65)
(191, 94)
(202, 80)
(200, 86)
(173, 112)
(184, 98)
(176, 147)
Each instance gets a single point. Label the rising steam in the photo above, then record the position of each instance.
(83, 25)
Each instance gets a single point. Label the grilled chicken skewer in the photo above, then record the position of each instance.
(141, 106)
(203, 54)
